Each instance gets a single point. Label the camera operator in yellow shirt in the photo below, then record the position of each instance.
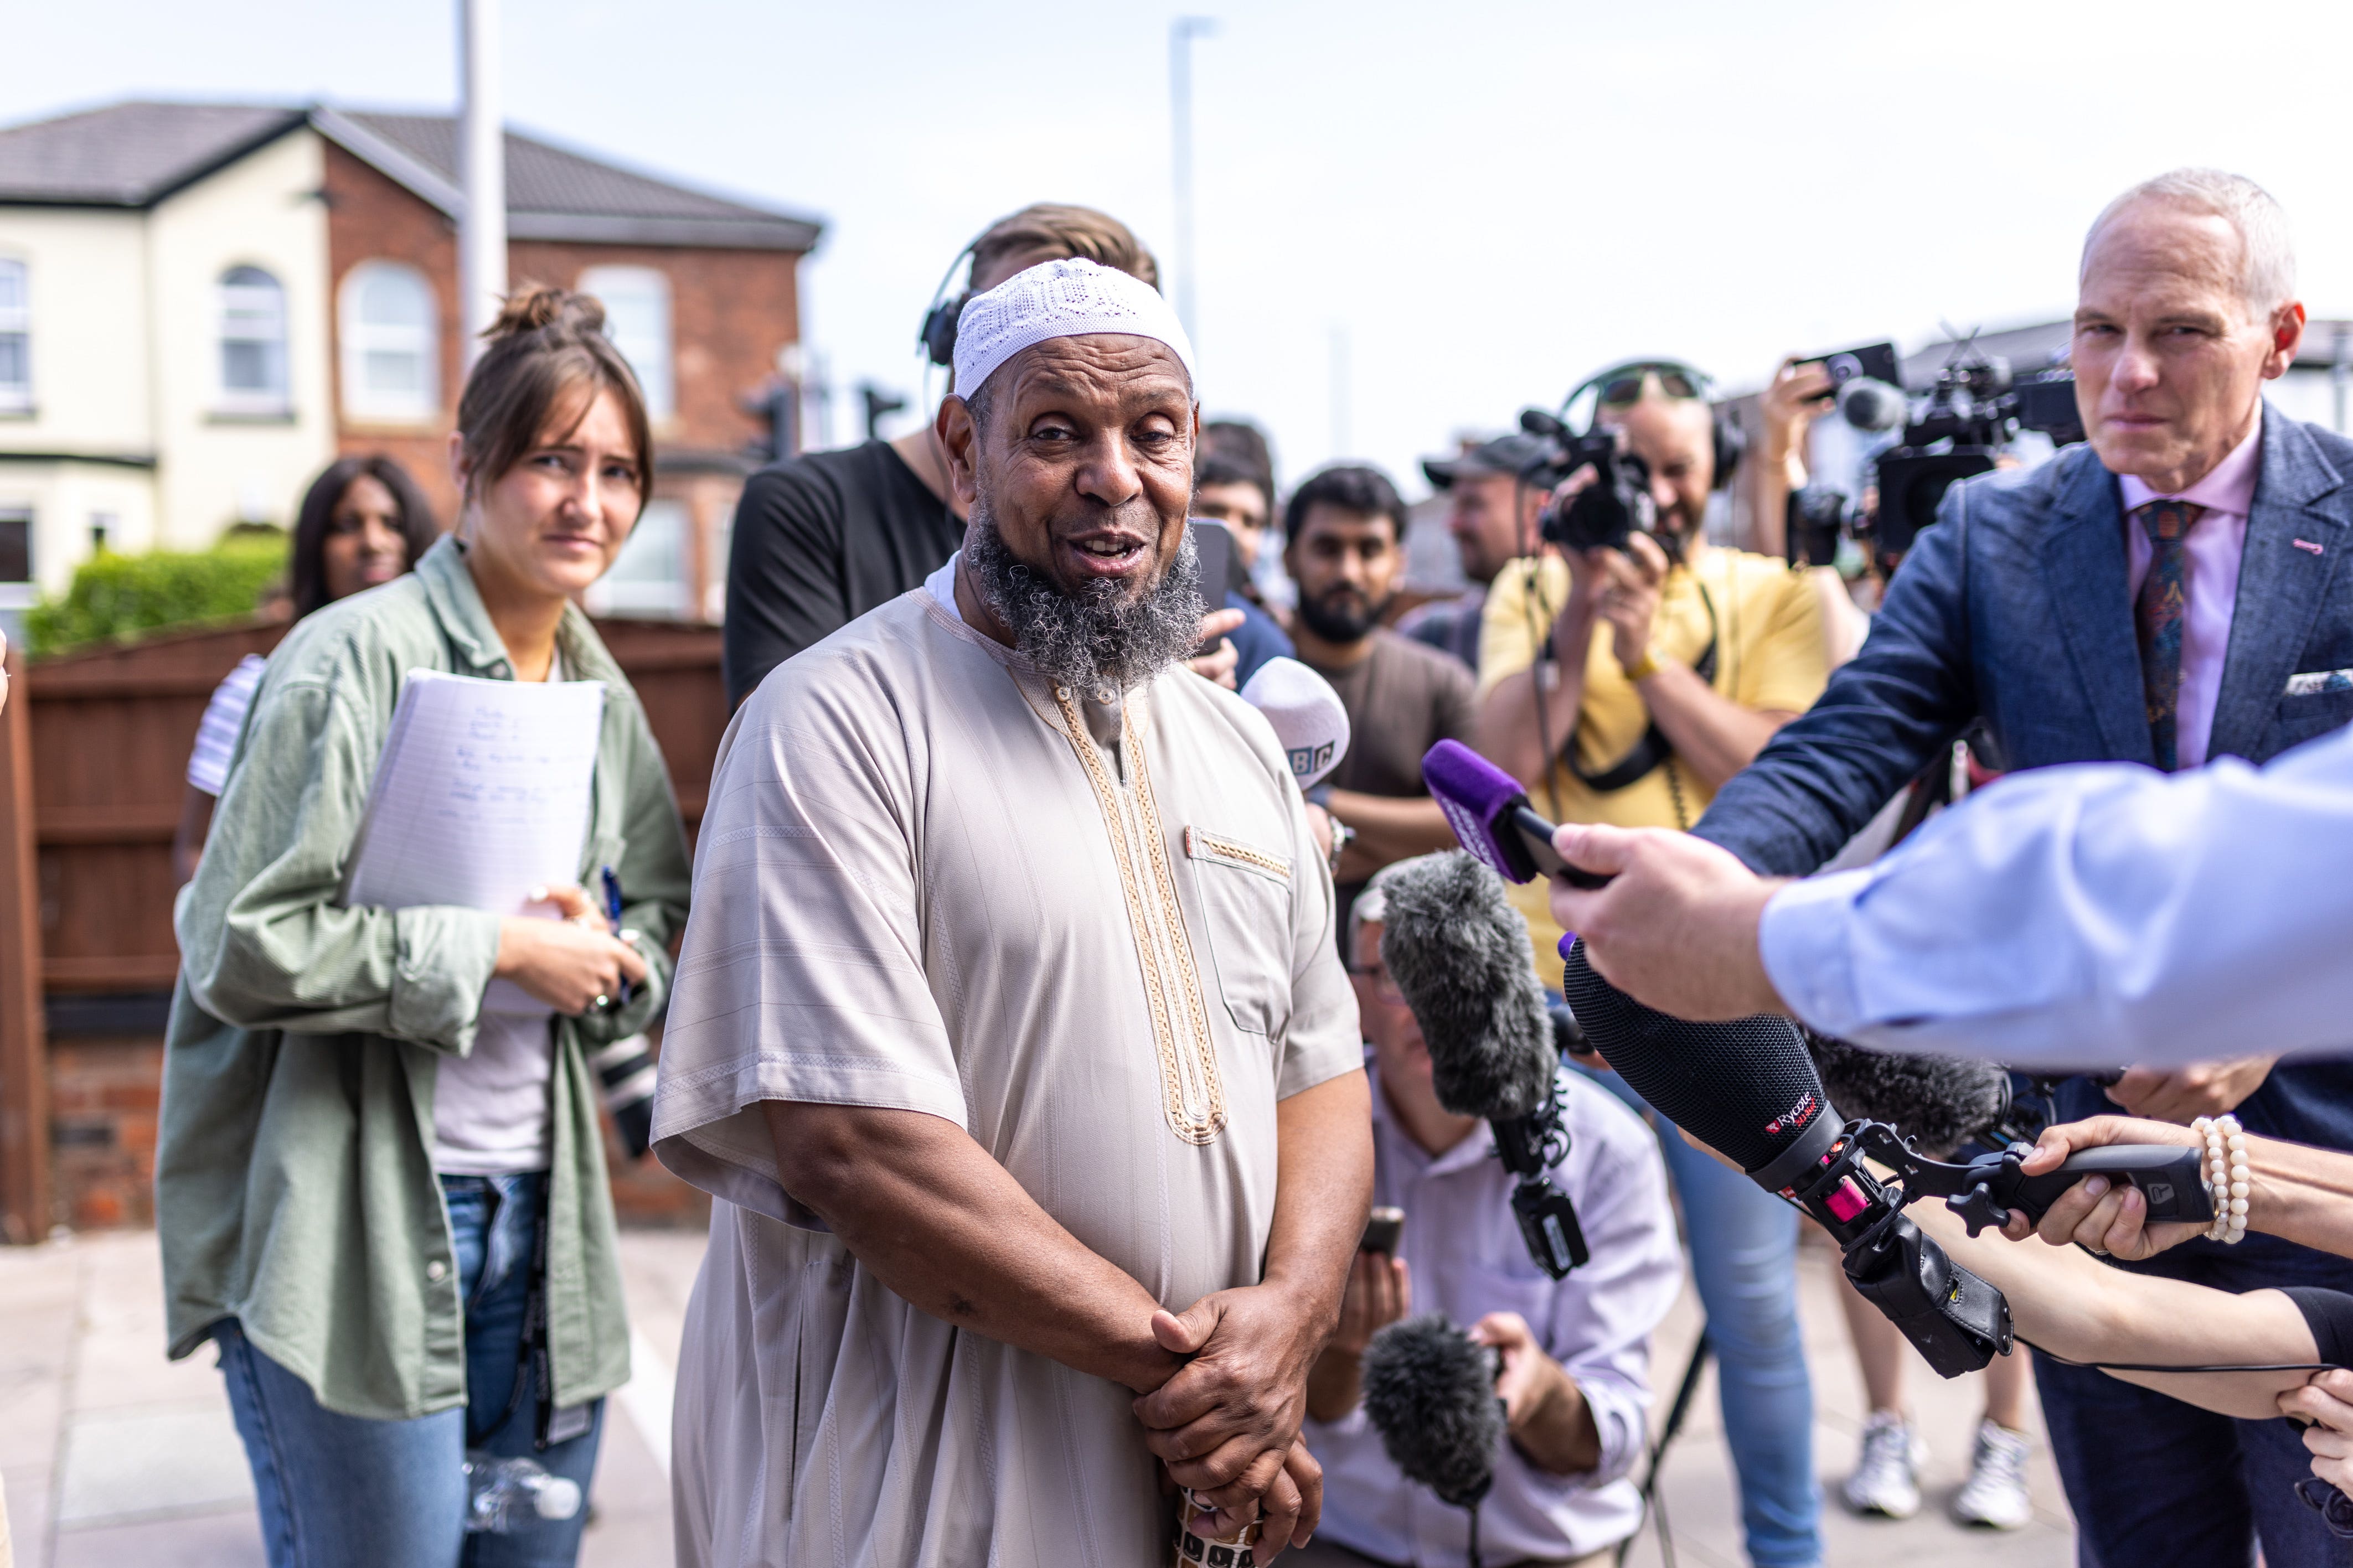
(1668, 663)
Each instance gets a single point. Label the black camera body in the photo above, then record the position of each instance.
(1970, 415)
(1607, 514)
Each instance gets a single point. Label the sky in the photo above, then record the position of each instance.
(1413, 220)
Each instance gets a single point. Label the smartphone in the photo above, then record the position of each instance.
(1382, 1231)
(1877, 361)
(1214, 544)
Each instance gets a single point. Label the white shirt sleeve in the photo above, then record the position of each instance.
(2097, 914)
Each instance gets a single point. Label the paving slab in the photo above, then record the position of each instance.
(89, 1406)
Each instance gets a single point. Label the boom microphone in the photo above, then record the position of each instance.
(1937, 1102)
(1458, 954)
(1430, 1392)
(1873, 406)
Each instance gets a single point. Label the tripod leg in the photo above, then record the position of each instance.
(1684, 1393)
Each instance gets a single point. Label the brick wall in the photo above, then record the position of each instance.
(730, 311)
(371, 218)
(103, 1091)
(102, 1094)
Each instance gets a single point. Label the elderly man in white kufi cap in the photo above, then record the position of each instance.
(1008, 1034)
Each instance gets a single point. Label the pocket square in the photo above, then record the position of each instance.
(2313, 681)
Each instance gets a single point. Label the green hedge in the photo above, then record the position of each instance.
(124, 596)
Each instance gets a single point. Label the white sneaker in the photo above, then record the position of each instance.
(1886, 1479)
(1996, 1494)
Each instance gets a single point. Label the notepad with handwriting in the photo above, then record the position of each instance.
(482, 794)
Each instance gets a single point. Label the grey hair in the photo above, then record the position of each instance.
(2266, 250)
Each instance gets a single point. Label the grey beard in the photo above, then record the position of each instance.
(1097, 637)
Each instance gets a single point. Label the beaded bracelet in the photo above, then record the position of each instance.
(2227, 1179)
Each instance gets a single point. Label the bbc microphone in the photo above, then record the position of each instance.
(1308, 719)
(1458, 954)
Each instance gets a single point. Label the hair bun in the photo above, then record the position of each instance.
(535, 306)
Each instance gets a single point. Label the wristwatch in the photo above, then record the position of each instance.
(1341, 836)
(1642, 668)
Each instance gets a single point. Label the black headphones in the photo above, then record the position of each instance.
(938, 335)
(1729, 440)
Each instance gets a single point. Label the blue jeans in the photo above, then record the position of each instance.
(2155, 1483)
(345, 1491)
(1744, 1245)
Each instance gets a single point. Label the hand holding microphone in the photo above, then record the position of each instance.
(1676, 925)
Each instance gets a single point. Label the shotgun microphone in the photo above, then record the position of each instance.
(1430, 1392)
(1458, 954)
(1937, 1102)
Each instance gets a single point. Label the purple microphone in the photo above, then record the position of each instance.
(1490, 813)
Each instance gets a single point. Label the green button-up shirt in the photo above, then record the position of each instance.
(294, 1181)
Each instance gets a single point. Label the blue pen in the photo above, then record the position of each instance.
(613, 916)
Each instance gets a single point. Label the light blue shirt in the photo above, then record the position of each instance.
(2092, 914)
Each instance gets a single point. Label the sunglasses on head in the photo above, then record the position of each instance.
(1624, 388)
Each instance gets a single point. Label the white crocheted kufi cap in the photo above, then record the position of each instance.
(1073, 298)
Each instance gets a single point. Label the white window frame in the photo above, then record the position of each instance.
(17, 322)
(361, 337)
(638, 319)
(235, 323)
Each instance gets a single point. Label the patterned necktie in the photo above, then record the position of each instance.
(2157, 614)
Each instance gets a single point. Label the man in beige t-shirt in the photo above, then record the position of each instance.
(1009, 1031)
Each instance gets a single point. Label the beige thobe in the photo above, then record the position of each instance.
(923, 884)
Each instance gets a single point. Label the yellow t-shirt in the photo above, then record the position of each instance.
(1770, 654)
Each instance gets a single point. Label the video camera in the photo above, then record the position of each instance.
(1605, 513)
(1957, 429)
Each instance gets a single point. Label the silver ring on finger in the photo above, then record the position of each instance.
(603, 1003)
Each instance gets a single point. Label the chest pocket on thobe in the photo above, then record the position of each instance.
(1246, 899)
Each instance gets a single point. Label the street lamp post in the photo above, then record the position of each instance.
(482, 166)
(1182, 31)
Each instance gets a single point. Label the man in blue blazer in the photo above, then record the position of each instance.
(2163, 595)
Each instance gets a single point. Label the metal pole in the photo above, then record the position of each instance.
(482, 168)
(1341, 369)
(1182, 31)
(24, 1184)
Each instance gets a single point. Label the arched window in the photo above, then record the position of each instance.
(252, 342)
(16, 339)
(391, 343)
(636, 318)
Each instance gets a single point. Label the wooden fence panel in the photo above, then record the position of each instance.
(111, 732)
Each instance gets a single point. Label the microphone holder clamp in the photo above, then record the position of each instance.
(1529, 1146)
(1956, 1321)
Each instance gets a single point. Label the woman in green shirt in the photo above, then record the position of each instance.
(385, 1205)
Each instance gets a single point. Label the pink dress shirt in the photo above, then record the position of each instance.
(2211, 577)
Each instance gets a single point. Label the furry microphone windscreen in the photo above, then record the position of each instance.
(1458, 954)
(1430, 1392)
(1939, 1103)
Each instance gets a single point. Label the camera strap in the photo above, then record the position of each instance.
(1653, 749)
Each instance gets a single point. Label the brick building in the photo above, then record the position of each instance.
(201, 304)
